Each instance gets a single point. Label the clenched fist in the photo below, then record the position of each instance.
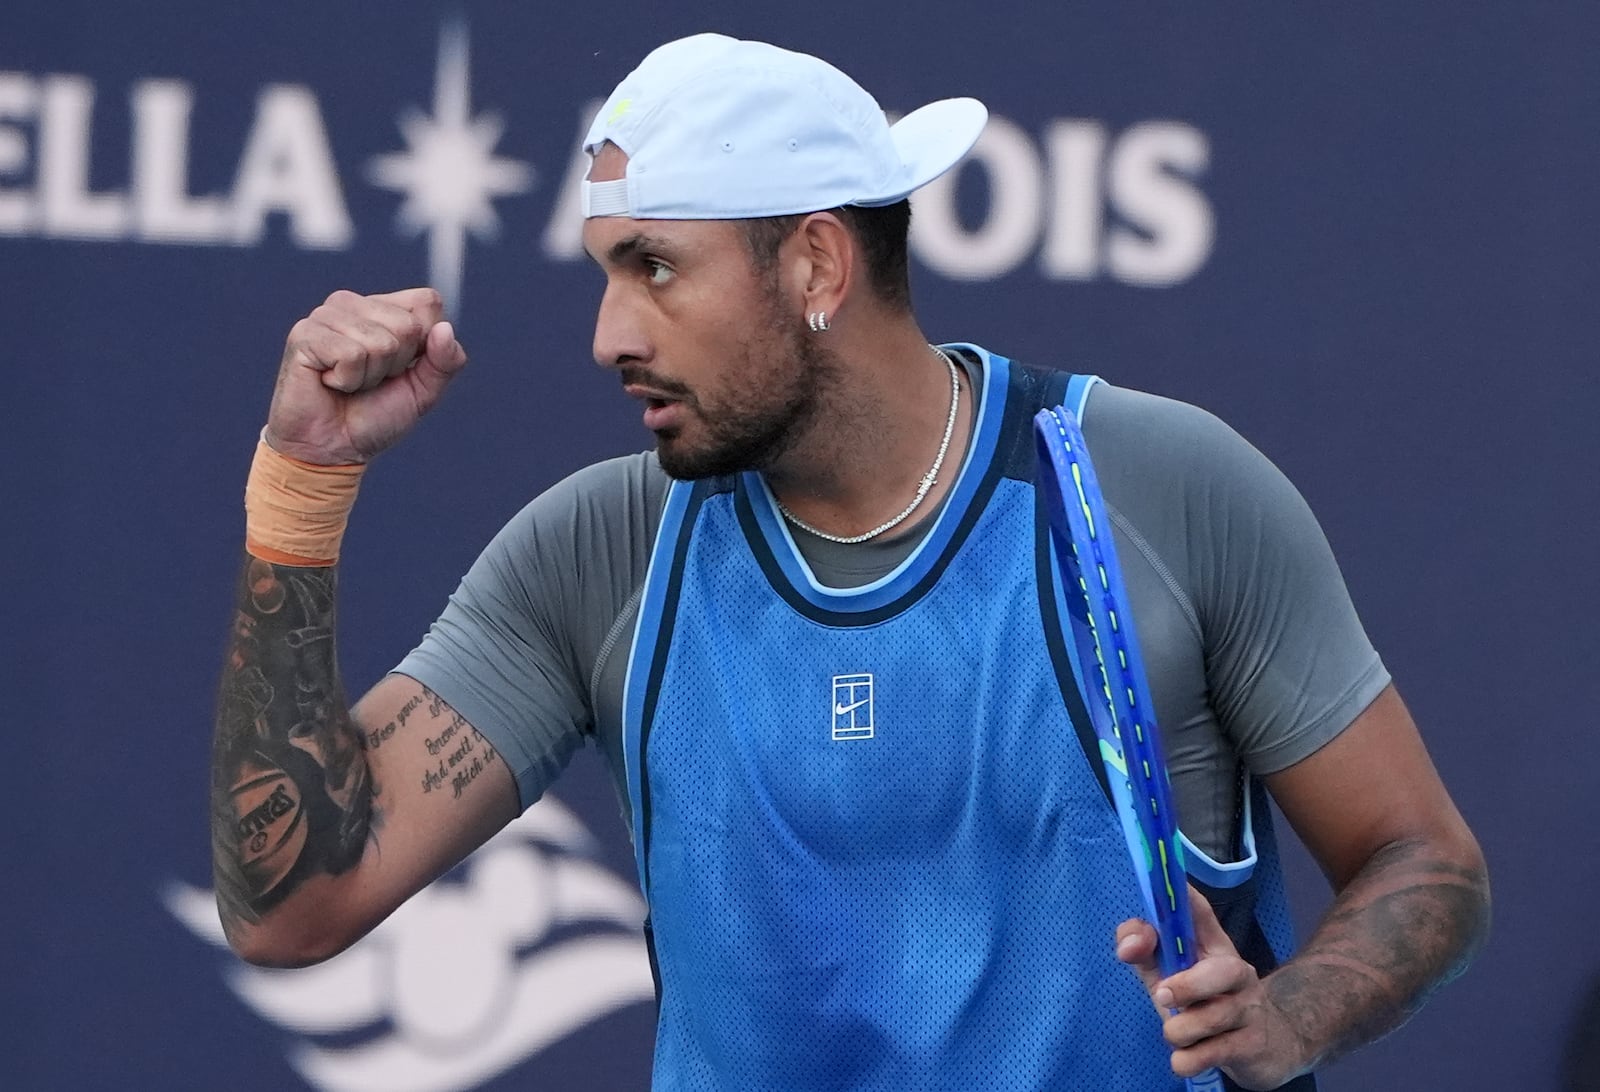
(358, 372)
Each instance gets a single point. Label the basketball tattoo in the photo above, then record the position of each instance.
(291, 795)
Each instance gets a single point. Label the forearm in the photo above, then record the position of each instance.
(291, 795)
(294, 800)
(1408, 922)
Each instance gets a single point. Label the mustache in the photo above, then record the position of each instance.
(633, 375)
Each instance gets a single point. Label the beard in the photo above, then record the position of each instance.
(775, 391)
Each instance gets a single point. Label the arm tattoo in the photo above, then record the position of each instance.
(1407, 924)
(291, 796)
(461, 750)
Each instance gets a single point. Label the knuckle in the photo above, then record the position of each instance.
(347, 363)
(413, 331)
(295, 346)
(1181, 1033)
(1207, 1026)
(346, 378)
(342, 297)
(370, 336)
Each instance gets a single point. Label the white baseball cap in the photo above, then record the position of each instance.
(719, 129)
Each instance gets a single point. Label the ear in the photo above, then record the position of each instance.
(827, 273)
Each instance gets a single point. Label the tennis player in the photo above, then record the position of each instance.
(815, 634)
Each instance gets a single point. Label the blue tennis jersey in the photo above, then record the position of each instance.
(871, 823)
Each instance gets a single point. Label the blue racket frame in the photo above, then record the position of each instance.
(1123, 713)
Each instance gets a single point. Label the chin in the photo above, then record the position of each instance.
(687, 463)
(675, 457)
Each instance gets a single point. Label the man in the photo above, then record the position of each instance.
(812, 633)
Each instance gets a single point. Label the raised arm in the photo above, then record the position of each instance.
(325, 818)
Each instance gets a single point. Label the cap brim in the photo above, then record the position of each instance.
(933, 138)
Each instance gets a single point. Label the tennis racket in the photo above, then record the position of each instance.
(1115, 690)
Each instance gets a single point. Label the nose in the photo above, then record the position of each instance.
(619, 337)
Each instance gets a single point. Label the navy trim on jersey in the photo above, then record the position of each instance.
(770, 540)
(648, 662)
(1051, 606)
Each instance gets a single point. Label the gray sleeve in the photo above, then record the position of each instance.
(515, 646)
(1287, 664)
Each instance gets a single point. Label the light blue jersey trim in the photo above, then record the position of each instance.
(1077, 397)
(1215, 873)
(886, 589)
(646, 634)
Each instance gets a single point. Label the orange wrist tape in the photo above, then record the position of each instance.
(295, 512)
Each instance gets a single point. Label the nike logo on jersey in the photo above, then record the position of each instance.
(852, 706)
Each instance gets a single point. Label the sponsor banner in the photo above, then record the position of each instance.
(1074, 201)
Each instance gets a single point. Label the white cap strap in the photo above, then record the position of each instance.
(605, 198)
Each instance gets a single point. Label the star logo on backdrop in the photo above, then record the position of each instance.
(449, 172)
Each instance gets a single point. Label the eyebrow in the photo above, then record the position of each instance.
(630, 245)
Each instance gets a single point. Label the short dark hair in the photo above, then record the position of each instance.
(881, 231)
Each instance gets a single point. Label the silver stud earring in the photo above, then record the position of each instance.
(818, 321)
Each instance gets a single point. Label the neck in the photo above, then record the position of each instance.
(865, 458)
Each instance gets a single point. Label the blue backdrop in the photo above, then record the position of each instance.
(1363, 234)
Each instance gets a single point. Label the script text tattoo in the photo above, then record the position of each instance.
(460, 751)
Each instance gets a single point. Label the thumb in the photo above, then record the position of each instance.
(441, 360)
(443, 350)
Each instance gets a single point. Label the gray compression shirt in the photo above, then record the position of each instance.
(1255, 654)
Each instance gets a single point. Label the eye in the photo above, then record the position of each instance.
(657, 272)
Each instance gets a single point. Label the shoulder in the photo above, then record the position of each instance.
(626, 480)
(580, 546)
(621, 496)
(1137, 424)
(1155, 452)
(1225, 522)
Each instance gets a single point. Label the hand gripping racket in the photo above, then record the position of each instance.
(1115, 690)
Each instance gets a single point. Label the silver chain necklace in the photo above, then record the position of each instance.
(928, 480)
